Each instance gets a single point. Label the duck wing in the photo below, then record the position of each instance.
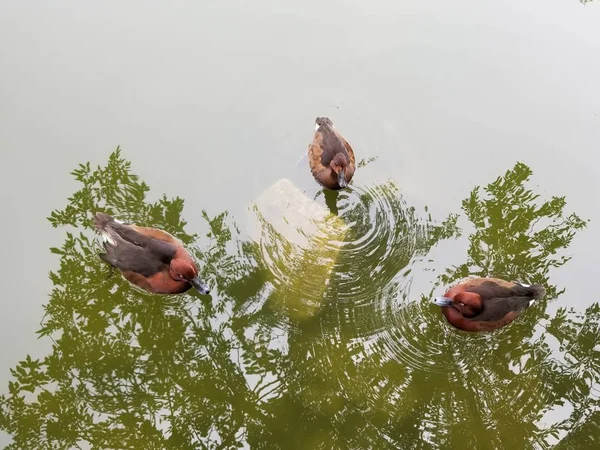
(127, 256)
(491, 290)
(142, 250)
(495, 309)
(123, 234)
(499, 300)
(331, 143)
(351, 159)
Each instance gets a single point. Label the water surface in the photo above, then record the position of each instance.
(478, 126)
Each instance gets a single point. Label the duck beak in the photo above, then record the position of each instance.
(200, 285)
(442, 301)
(342, 179)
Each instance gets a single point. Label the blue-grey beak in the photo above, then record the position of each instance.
(442, 301)
(200, 285)
(342, 179)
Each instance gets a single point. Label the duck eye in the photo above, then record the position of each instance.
(461, 304)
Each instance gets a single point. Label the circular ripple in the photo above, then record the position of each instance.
(410, 353)
(353, 265)
(356, 254)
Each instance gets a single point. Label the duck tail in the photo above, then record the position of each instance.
(537, 290)
(102, 223)
(323, 121)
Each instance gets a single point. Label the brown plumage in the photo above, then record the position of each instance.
(330, 157)
(147, 257)
(486, 304)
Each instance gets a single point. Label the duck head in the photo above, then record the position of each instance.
(468, 304)
(338, 164)
(183, 270)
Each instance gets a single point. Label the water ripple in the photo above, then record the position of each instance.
(357, 255)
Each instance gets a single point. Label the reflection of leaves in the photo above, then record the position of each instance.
(582, 435)
(125, 364)
(221, 262)
(334, 387)
(578, 335)
(397, 234)
(317, 397)
(365, 162)
(116, 191)
(132, 370)
(515, 238)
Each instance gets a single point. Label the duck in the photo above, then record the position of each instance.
(331, 158)
(149, 258)
(486, 304)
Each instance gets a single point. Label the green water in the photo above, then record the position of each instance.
(357, 360)
(476, 126)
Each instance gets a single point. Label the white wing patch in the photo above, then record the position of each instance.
(107, 238)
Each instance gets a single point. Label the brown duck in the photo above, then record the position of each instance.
(150, 258)
(486, 304)
(330, 157)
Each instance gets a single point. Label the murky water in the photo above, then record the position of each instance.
(477, 127)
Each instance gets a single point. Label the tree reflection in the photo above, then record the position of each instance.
(514, 237)
(128, 369)
(311, 342)
(342, 387)
(512, 379)
(317, 390)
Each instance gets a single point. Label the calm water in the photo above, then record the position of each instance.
(478, 128)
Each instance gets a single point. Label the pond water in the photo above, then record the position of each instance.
(476, 125)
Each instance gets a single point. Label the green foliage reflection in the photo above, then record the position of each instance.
(365, 367)
(514, 237)
(128, 369)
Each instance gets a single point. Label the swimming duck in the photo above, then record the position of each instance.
(331, 158)
(151, 259)
(486, 304)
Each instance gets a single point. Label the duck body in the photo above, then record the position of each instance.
(331, 158)
(149, 258)
(486, 304)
